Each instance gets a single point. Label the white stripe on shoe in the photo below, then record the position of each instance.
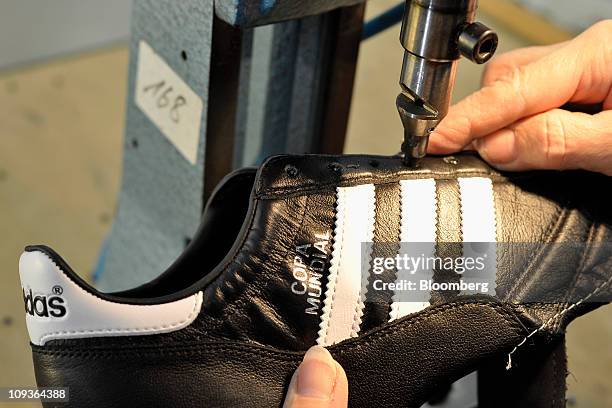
(418, 225)
(355, 221)
(477, 210)
(479, 225)
(345, 293)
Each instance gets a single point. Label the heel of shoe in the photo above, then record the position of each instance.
(59, 305)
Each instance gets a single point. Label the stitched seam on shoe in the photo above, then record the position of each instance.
(204, 348)
(236, 305)
(134, 330)
(554, 224)
(513, 321)
(279, 192)
(553, 319)
(573, 286)
(217, 321)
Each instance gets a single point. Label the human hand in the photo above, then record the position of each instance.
(319, 382)
(515, 121)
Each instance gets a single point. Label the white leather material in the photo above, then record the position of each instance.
(418, 225)
(477, 210)
(59, 308)
(479, 225)
(345, 294)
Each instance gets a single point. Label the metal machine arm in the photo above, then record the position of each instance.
(435, 34)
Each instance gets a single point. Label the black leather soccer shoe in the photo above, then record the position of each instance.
(280, 264)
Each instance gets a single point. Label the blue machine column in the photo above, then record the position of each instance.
(259, 77)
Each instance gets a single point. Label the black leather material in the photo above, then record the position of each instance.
(538, 381)
(254, 327)
(222, 220)
(386, 244)
(448, 234)
(397, 365)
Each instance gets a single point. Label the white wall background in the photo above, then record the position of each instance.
(32, 30)
(575, 15)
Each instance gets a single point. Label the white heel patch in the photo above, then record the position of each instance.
(58, 308)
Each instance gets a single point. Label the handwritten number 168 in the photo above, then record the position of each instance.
(165, 99)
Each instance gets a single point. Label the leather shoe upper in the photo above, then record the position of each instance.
(285, 260)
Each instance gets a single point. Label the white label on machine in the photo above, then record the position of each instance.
(169, 102)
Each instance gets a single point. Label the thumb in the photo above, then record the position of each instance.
(319, 382)
(556, 139)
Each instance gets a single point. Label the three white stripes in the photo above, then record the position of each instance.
(355, 218)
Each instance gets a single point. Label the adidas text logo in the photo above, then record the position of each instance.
(44, 306)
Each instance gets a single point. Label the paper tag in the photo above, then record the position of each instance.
(168, 102)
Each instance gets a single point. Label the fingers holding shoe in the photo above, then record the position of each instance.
(515, 120)
(319, 382)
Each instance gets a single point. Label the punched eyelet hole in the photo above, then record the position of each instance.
(291, 170)
(334, 166)
(451, 160)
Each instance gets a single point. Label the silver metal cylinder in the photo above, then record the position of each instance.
(430, 31)
(431, 81)
(430, 28)
(435, 33)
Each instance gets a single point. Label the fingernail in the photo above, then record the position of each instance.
(481, 147)
(316, 376)
(499, 148)
(477, 143)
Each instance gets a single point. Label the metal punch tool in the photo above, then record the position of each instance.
(435, 34)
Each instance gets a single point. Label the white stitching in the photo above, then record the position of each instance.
(189, 318)
(198, 299)
(552, 319)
